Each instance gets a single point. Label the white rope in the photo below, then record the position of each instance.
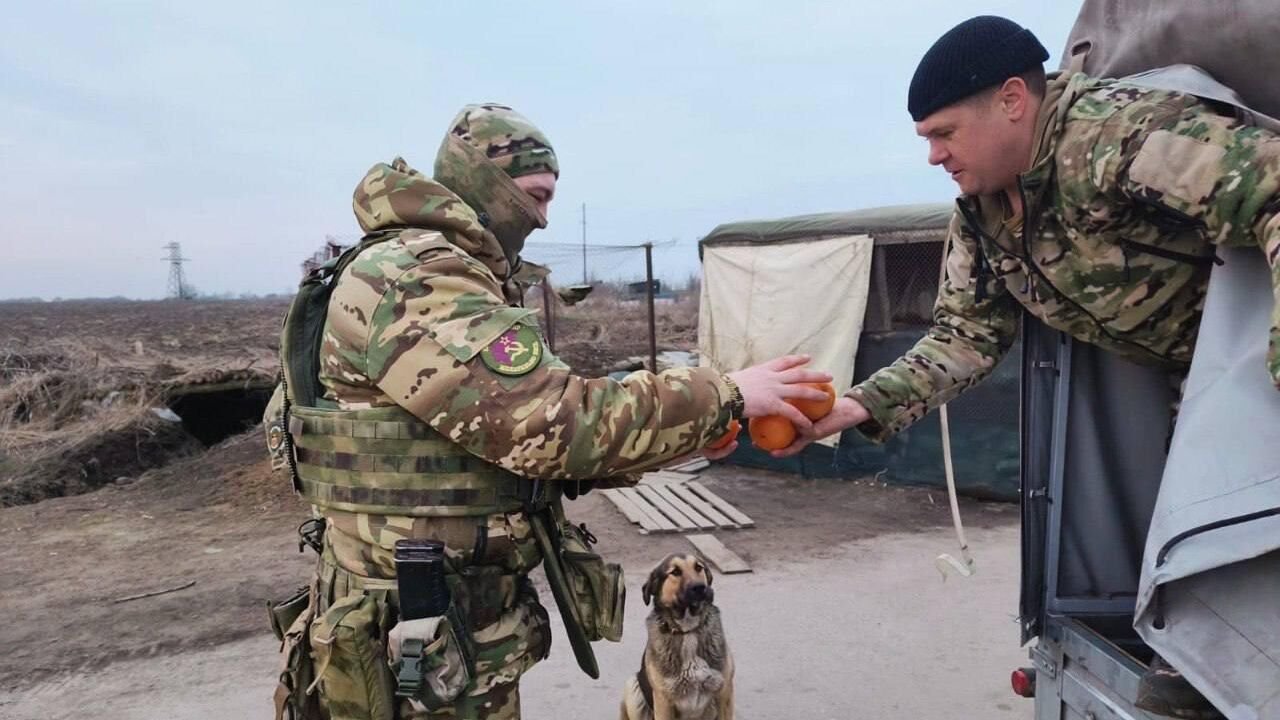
(965, 566)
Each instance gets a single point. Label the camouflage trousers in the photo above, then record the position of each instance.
(361, 684)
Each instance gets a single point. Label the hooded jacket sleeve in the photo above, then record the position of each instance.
(443, 345)
(971, 333)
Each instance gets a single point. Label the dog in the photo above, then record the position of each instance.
(686, 672)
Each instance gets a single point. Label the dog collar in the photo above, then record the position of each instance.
(666, 628)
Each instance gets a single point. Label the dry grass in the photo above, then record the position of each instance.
(78, 379)
(607, 327)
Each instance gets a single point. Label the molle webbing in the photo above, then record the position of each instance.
(386, 461)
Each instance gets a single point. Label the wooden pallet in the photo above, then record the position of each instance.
(717, 554)
(673, 502)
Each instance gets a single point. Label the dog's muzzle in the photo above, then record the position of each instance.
(694, 596)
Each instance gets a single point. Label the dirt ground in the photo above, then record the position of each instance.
(179, 333)
(868, 631)
(169, 569)
(225, 522)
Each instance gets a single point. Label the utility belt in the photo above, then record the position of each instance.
(347, 631)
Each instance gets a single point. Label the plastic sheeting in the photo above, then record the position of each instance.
(762, 301)
(1209, 596)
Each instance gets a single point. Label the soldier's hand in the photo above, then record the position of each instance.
(767, 386)
(720, 453)
(846, 413)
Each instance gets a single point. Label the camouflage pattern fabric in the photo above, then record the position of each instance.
(1130, 191)
(410, 318)
(355, 677)
(487, 146)
(506, 138)
(427, 320)
(504, 651)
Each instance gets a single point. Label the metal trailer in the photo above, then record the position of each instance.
(1095, 439)
(1080, 556)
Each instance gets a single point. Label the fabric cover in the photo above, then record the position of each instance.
(1219, 589)
(1234, 40)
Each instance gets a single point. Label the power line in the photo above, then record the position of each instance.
(178, 288)
(598, 248)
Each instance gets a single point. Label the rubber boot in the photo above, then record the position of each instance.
(1164, 691)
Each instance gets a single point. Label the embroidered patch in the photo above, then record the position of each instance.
(516, 352)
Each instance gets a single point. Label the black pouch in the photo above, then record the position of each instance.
(282, 613)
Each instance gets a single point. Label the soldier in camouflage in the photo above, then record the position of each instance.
(1094, 204)
(425, 344)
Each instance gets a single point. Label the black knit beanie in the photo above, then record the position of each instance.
(978, 53)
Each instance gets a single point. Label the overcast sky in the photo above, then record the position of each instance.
(240, 129)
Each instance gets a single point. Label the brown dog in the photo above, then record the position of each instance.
(686, 672)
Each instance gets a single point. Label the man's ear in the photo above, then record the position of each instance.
(1013, 98)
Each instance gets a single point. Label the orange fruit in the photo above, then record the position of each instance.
(771, 432)
(729, 436)
(817, 409)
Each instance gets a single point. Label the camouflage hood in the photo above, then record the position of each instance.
(488, 145)
(1061, 92)
(396, 195)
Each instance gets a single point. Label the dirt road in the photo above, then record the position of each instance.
(866, 629)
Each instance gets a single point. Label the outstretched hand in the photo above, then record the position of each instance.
(767, 387)
(845, 414)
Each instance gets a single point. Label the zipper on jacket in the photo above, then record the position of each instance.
(1190, 259)
(1026, 259)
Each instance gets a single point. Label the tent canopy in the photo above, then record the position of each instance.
(876, 222)
(854, 290)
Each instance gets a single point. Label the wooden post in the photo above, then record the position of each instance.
(653, 327)
(548, 311)
(879, 262)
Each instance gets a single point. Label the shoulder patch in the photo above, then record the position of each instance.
(518, 351)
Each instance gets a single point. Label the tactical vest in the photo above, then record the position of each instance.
(381, 461)
(386, 461)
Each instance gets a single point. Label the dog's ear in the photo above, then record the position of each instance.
(706, 570)
(653, 585)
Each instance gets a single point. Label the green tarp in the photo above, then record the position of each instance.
(871, 221)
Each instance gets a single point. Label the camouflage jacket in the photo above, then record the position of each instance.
(422, 320)
(1129, 191)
